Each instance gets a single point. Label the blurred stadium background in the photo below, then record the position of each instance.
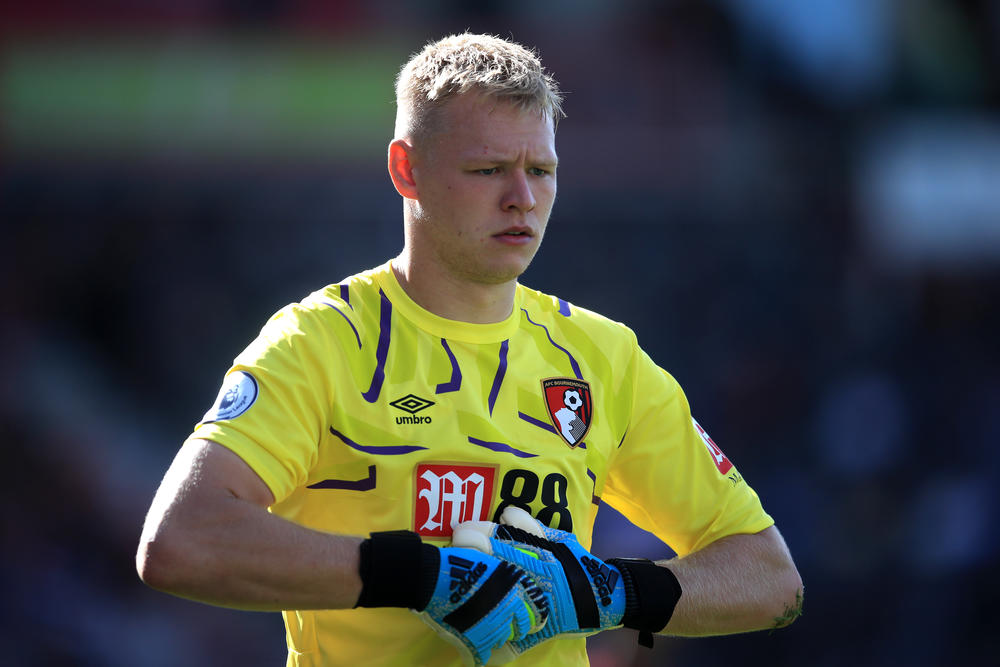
(795, 203)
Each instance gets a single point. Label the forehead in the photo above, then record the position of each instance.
(478, 123)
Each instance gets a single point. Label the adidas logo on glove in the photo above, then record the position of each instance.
(604, 578)
(463, 576)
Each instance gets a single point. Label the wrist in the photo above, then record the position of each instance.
(397, 569)
(651, 594)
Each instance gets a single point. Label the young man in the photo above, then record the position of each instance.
(435, 390)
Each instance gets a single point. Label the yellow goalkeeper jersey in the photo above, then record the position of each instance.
(364, 412)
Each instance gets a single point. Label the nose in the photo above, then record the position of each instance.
(518, 195)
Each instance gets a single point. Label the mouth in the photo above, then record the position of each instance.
(516, 232)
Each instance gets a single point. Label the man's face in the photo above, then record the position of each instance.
(486, 182)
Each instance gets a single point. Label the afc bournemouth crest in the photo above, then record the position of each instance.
(570, 407)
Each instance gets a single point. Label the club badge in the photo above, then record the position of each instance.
(570, 407)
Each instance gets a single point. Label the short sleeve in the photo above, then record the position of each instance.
(669, 478)
(271, 410)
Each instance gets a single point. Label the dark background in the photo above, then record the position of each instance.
(795, 204)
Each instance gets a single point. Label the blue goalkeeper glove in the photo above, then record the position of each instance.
(588, 595)
(475, 601)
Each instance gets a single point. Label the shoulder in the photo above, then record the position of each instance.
(336, 312)
(552, 311)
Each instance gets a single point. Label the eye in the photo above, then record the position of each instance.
(489, 171)
(538, 171)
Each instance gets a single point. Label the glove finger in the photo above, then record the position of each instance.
(474, 535)
(518, 518)
(521, 623)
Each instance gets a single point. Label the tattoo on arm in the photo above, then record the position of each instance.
(791, 613)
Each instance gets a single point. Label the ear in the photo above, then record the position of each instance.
(401, 168)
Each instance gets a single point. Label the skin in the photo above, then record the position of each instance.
(208, 535)
(465, 191)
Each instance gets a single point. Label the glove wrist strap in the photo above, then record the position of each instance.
(397, 570)
(651, 593)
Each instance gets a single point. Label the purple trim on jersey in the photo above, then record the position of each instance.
(545, 425)
(456, 373)
(327, 303)
(390, 450)
(501, 447)
(622, 440)
(498, 378)
(564, 308)
(572, 361)
(365, 484)
(594, 498)
(382, 351)
(538, 422)
(345, 294)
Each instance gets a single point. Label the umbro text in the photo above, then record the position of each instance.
(413, 419)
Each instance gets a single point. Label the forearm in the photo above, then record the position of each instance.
(211, 539)
(737, 584)
(252, 560)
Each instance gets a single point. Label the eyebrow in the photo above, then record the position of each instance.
(500, 158)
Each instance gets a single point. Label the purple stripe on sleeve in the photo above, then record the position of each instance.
(501, 447)
(564, 308)
(456, 373)
(345, 294)
(390, 450)
(364, 484)
(572, 361)
(382, 351)
(327, 303)
(498, 378)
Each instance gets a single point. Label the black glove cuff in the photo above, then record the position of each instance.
(397, 570)
(651, 593)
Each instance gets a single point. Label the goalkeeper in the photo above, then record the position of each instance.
(370, 419)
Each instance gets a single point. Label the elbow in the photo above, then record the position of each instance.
(153, 565)
(160, 563)
(790, 594)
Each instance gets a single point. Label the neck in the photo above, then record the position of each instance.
(451, 298)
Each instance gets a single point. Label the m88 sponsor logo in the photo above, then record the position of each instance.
(450, 493)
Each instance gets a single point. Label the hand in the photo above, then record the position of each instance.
(475, 601)
(588, 595)
(483, 602)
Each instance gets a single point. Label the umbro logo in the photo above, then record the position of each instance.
(464, 575)
(412, 404)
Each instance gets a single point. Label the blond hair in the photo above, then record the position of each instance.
(461, 63)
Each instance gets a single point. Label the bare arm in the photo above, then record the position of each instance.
(209, 537)
(736, 584)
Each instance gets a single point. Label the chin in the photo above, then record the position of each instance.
(497, 275)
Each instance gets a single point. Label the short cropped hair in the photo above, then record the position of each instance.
(461, 63)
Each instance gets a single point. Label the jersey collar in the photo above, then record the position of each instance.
(445, 328)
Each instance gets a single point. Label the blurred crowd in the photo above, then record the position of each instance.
(795, 205)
